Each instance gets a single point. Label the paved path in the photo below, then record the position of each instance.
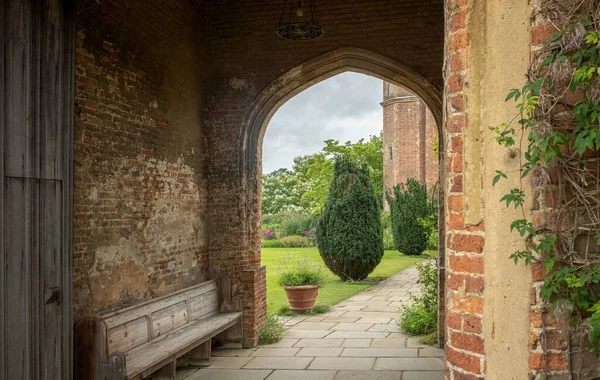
(357, 340)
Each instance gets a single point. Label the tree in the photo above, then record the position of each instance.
(408, 204)
(349, 232)
(316, 171)
(281, 192)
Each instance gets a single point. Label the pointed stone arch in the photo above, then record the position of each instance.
(304, 76)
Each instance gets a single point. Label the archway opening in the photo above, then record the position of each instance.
(307, 75)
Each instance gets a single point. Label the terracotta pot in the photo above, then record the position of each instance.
(302, 298)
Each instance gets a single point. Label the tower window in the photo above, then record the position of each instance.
(391, 155)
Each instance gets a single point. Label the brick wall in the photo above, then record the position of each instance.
(247, 56)
(465, 244)
(557, 351)
(410, 134)
(139, 151)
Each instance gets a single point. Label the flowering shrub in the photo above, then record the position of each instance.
(268, 235)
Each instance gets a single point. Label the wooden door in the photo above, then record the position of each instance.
(36, 120)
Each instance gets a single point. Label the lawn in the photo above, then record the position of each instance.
(334, 290)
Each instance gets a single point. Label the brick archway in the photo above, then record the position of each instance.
(306, 75)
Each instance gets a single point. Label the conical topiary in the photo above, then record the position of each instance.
(349, 232)
(408, 204)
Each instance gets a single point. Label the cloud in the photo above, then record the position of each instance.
(345, 107)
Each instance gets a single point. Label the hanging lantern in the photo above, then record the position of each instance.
(299, 21)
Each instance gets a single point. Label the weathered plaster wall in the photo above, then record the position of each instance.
(248, 56)
(139, 155)
(488, 296)
(504, 42)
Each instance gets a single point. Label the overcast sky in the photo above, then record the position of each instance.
(345, 107)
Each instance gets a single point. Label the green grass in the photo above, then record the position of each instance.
(334, 290)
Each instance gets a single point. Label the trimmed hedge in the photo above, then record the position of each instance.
(408, 204)
(349, 232)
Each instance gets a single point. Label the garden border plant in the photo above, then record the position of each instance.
(559, 124)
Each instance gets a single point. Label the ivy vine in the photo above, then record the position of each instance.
(558, 122)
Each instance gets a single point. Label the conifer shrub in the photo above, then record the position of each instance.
(349, 232)
(408, 205)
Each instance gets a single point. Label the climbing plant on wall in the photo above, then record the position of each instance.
(558, 124)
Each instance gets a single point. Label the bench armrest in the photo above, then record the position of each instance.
(92, 359)
(228, 302)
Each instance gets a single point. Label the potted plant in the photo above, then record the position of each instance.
(301, 280)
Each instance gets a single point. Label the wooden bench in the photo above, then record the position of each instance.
(145, 340)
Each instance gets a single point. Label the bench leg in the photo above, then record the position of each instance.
(167, 372)
(200, 356)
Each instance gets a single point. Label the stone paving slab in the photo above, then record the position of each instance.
(228, 362)
(381, 352)
(357, 342)
(357, 334)
(285, 342)
(343, 363)
(282, 374)
(352, 326)
(227, 374)
(307, 333)
(278, 363)
(357, 339)
(423, 375)
(320, 352)
(409, 364)
(369, 375)
(319, 343)
(269, 351)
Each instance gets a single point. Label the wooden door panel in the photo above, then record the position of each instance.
(36, 121)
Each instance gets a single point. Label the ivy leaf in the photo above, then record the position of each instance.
(499, 174)
(514, 93)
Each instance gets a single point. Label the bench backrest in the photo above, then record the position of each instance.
(133, 326)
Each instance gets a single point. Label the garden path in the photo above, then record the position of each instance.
(358, 339)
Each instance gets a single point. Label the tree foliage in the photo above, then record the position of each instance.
(408, 206)
(349, 232)
(281, 192)
(306, 186)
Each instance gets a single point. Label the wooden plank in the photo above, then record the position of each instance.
(51, 81)
(146, 359)
(118, 317)
(200, 356)
(18, 82)
(166, 373)
(202, 305)
(129, 335)
(3, 129)
(65, 96)
(19, 196)
(168, 319)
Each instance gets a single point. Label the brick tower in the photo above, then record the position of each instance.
(410, 139)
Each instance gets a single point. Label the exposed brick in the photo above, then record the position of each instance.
(455, 123)
(467, 304)
(455, 203)
(462, 360)
(467, 243)
(454, 321)
(467, 283)
(541, 33)
(472, 324)
(456, 145)
(467, 342)
(466, 264)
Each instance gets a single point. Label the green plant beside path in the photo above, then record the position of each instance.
(334, 290)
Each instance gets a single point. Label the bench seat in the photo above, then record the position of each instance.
(146, 359)
(145, 340)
